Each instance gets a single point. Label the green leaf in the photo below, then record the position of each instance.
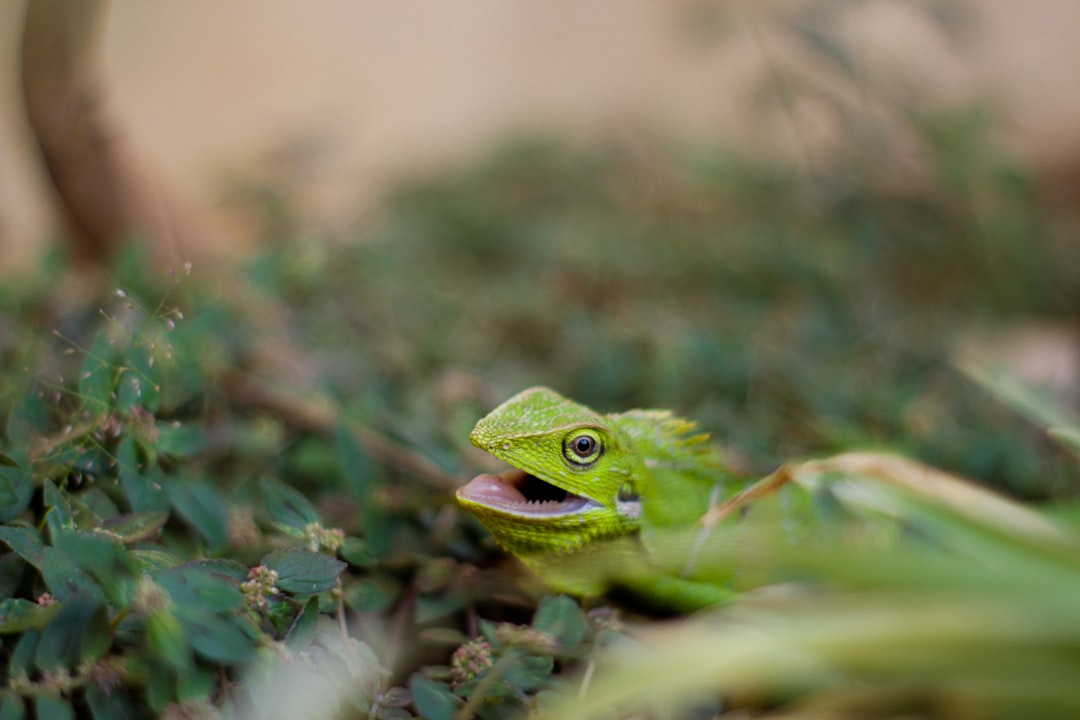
(22, 658)
(222, 567)
(18, 615)
(138, 385)
(160, 690)
(61, 516)
(181, 441)
(98, 376)
(202, 507)
(85, 516)
(358, 552)
(196, 683)
(527, 672)
(65, 579)
(110, 705)
(25, 541)
(53, 707)
(8, 461)
(561, 617)
(302, 571)
(286, 505)
(142, 491)
(12, 707)
(148, 562)
(80, 632)
(367, 596)
(196, 588)
(103, 557)
(434, 700)
(16, 491)
(98, 502)
(136, 527)
(303, 627)
(216, 638)
(166, 639)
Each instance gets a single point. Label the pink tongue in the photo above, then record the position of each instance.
(487, 488)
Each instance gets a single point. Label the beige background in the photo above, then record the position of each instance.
(353, 94)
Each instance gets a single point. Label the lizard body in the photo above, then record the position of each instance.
(600, 503)
(588, 493)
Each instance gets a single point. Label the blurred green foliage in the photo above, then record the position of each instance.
(202, 475)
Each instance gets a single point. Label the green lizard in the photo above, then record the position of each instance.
(588, 493)
(621, 502)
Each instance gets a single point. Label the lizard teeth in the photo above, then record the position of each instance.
(508, 491)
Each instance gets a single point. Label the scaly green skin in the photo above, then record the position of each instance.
(627, 478)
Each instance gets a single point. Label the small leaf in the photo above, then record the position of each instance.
(358, 552)
(53, 707)
(8, 461)
(195, 588)
(61, 516)
(16, 491)
(98, 375)
(110, 705)
(84, 515)
(202, 507)
(65, 579)
(136, 527)
(561, 617)
(25, 541)
(22, 657)
(12, 708)
(196, 683)
(28, 422)
(216, 638)
(149, 562)
(166, 639)
(103, 557)
(143, 492)
(181, 441)
(138, 386)
(302, 571)
(367, 596)
(303, 627)
(286, 505)
(99, 503)
(527, 672)
(79, 632)
(222, 567)
(433, 699)
(18, 615)
(160, 691)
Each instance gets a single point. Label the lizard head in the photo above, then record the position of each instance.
(572, 476)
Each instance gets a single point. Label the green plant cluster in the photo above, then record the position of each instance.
(208, 479)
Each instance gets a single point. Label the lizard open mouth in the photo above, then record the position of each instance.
(516, 492)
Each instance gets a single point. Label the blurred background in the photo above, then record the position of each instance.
(787, 219)
(348, 98)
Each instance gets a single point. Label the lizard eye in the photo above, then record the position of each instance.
(582, 449)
